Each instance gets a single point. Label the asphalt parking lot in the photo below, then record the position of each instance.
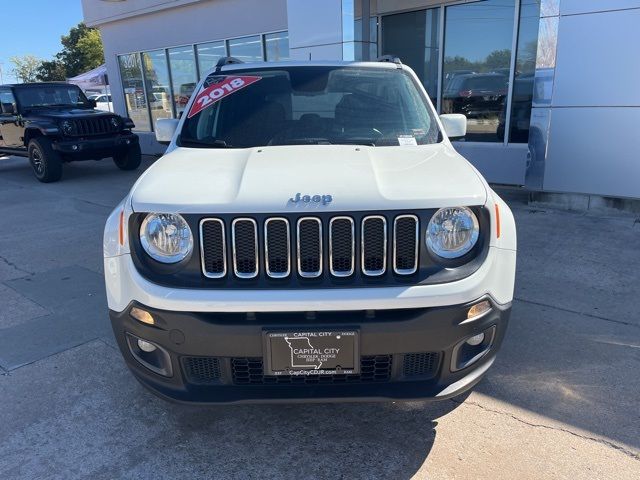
(561, 401)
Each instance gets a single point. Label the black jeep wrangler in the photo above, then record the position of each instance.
(53, 123)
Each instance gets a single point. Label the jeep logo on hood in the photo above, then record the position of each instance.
(300, 199)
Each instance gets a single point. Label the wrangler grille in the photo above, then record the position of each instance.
(84, 127)
(310, 247)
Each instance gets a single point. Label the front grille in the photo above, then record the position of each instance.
(201, 370)
(94, 126)
(374, 245)
(309, 247)
(405, 244)
(213, 253)
(341, 246)
(277, 246)
(244, 232)
(282, 247)
(250, 371)
(423, 365)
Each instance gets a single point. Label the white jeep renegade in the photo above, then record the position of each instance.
(310, 235)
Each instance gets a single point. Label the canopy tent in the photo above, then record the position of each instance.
(93, 80)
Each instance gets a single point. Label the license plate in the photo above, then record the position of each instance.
(312, 353)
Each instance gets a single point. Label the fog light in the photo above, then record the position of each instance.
(478, 309)
(473, 341)
(146, 346)
(142, 316)
(74, 147)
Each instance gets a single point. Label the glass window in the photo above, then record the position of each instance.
(209, 54)
(414, 38)
(477, 57)
(525, 71)
(247, 49)
(134, 93)
(277, 46)
(7, 101)
(183, 76)
(310, 105)
(156, 74)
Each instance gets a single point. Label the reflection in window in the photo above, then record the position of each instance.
(277, 46)
(134, 93)
(247, 49)
(183, 76)
(373, 39)
(209, 54)
(413, 37)
(477, 56)
(156, 75)
(525, 71)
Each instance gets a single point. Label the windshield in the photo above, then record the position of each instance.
(51, 96)
(309, 105)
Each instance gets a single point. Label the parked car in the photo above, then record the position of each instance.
(476, 95)
(310, 234)
(54, 123)
(103, 102)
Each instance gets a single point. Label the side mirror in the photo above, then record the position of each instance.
(455, 125)
(92, 103)
(166, 129)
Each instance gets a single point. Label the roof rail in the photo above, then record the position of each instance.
(390, 59)
(226, 61)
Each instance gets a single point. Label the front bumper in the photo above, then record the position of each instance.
(86, 148)
(410, 351)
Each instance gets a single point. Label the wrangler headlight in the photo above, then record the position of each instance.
(452, 232)
(67, 127)
(166, 237)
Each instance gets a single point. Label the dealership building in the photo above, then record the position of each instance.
(550, 87)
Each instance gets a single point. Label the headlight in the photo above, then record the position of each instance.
(115, 123)
(67, 127)
(166, 237)
(452, 232)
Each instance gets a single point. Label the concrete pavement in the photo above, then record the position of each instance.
(561, 401)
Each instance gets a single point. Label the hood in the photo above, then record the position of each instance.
(329, 177)
(67, 113)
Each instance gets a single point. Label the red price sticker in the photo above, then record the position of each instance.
(217, 91)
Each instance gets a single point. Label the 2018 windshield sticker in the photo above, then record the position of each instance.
(216, 88)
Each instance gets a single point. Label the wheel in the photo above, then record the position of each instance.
(129, 160)
(46, 162)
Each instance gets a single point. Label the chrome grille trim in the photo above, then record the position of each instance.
(302, 273)
(224, 249)
(405, 271)
(363, 236)
(233, 246)
(346, 273)
(266, 247)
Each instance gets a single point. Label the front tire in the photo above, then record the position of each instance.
(130, 159)
(45, 161)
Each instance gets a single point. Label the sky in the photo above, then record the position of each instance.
(37, 33)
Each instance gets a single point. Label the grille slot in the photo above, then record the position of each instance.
(244, 241)
(374, 245)
(405, 244)
(277, 246)
(341, 246)
(250, 371)
(201, 370)
(213, 253)
(309, 245)
(423, 365)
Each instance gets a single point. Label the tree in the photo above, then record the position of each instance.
(51, 71)
(82, 50)
(25, 67)
(498, 59)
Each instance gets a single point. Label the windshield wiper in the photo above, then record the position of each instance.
(193, 142)
(302, 141)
